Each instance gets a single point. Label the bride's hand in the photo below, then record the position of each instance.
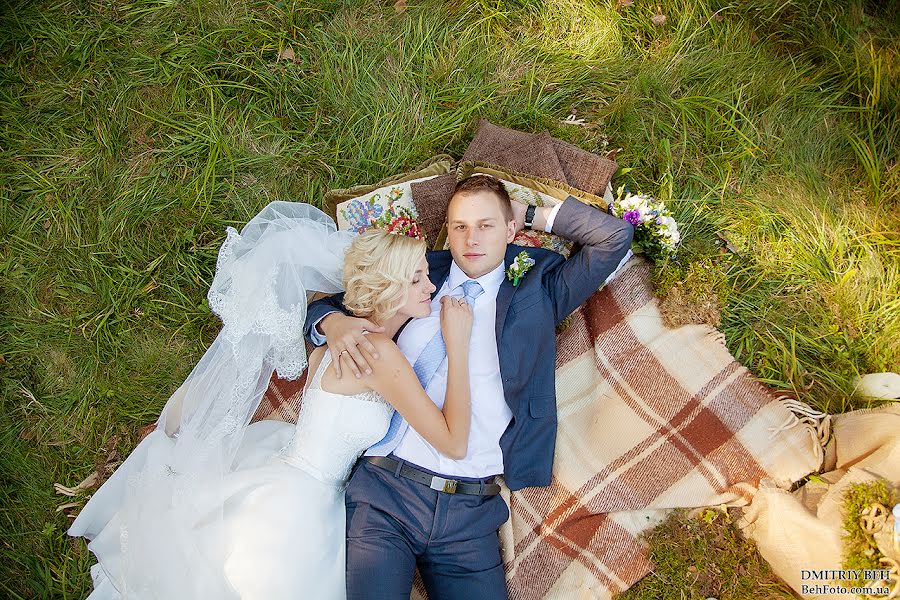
(456, 323)
(345, 339)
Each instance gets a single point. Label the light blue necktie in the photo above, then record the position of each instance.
(425, 367)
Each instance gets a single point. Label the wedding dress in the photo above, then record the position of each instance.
(283, 502)
(207, 506)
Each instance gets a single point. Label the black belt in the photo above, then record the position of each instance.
(435, 482)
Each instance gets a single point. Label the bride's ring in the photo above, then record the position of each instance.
(343, 352)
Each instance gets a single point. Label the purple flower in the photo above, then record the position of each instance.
(633, 217)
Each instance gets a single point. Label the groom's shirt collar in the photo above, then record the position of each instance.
(490, 282)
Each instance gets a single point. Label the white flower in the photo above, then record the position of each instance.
(654, 221)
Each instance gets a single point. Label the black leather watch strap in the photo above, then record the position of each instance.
(529, 216)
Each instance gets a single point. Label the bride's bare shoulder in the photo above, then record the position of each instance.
(383, 344)
(317, 353)
(389, 355)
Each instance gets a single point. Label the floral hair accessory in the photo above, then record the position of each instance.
(520, 265)
(399, 220)
(655, 230)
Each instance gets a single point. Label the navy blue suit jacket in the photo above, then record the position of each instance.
(526, 320)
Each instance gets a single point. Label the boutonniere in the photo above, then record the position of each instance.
(520, 265)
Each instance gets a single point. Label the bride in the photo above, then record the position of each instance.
(210, 506)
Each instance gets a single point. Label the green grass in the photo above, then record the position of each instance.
(132, 133)
(695, 558)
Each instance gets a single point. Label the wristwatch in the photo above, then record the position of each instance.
(529, 216)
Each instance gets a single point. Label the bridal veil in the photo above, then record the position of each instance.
(142, 523)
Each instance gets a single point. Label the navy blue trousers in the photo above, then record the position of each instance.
(395, 525)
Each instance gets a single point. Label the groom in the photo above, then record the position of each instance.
(407, 505)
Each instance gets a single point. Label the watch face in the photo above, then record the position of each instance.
(529, 215)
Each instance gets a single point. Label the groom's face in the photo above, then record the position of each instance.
(478, 232)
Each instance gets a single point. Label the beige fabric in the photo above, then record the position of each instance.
(650, 419)
(879, 385)
(803, 530)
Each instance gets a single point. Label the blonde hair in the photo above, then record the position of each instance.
(378, 269)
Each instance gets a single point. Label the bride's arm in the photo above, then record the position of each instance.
(393, 377)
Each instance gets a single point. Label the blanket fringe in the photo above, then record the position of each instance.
(800, 413)
(817, 423)
(717, 336)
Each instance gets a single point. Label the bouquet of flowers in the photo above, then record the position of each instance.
(655, 230)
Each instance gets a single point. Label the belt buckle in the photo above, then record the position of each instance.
(443, 485)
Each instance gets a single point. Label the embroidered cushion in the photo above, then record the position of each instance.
(359, 207)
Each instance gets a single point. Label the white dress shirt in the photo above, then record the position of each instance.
(548, 227)
(490, 414)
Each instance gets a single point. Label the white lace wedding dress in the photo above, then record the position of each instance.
(282, 505)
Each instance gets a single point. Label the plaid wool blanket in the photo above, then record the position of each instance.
(650, 419)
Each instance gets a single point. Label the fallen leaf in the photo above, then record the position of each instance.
(399, 6)
(624, 3)
(692, 569)
(67, 506)
(659, 18)
(718, 17)
(728, 246)
(571, 120)
(286, 54)
(88, 482)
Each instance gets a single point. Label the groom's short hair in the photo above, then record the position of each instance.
(486, 183)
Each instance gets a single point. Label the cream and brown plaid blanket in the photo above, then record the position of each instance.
(650, 418)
